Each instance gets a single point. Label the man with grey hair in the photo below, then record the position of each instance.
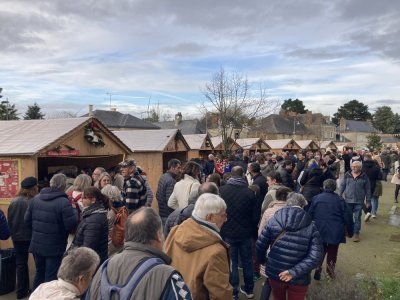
(141, 270)
(333, 220)
(51, 217)
(74, 276)
(198, 251)
(355, 188)
(180, 215)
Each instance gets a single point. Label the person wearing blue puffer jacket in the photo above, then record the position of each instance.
(295, 249)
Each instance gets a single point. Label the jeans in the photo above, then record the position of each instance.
(22, 270)
(242, 247)
(356, 208)
(294, 292)
(374, 204)
(385, 173)
(46, 269)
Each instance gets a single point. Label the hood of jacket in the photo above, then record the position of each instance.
(49, 194)
(292, 218)
(192, 236)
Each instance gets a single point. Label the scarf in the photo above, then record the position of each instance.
(237, 181)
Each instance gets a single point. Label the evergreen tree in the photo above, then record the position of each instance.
(374, 142)
(296, 106)
(383, 119)
(33, 112)
(8, 111)
(352, 110)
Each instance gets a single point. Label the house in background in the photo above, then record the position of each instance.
(281, 126)
(356, 132)
(194, 126)
(114, 120)
(320, 125)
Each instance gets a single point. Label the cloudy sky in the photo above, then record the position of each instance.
(67, 54)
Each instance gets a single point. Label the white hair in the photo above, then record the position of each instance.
(58, 182)
(296, 199)
(208, 204)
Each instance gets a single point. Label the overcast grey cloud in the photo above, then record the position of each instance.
(65, 54)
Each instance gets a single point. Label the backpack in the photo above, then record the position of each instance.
(108, 290)
(118, 230)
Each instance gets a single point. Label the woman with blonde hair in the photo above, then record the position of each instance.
(103, 180)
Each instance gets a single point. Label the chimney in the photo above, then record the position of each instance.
(342, 125)
(90, 110)
(178, 118)
(309, 118)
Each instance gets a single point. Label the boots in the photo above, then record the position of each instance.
(356, 238)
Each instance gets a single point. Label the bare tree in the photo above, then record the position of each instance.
(238, 105)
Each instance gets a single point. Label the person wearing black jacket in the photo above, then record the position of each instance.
(374, 173)
(312, 180)
(92, 231)
(165, 188)
(21, 234)
(242, 220)
(51, 217)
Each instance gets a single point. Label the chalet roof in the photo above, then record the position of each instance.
(326, 144)
(148, 140)
(28, 137)
(280, 144)
(359, 126)
(185, 126)
(195, 141)
(217, 141)
(282, 125)
(305, 143)
(247, 143)
(115, 119)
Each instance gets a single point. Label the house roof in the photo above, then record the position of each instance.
(195, 141)
(148, 140)
(280, 144)
(282, 125)
(185, 126)
(389, 139)
(28, 137)
(115, 119)
(359, 126)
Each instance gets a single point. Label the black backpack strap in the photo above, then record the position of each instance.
(125, 291)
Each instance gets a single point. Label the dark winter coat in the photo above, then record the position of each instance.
(164, 190)
(209, 167)
(261, 182)
(312, 180)
(4, 231)
(242, 214)
(332, 217)
(92, 231)
(355, 190)
(373, 171)
(299, 249)
(51, 217)
(16, 212)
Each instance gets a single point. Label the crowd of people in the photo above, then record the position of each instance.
(275, 216)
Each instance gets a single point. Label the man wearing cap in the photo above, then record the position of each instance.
(134, 192)
(21, 234)
(51, 217)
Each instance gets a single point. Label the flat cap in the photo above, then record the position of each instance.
(29, 182)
